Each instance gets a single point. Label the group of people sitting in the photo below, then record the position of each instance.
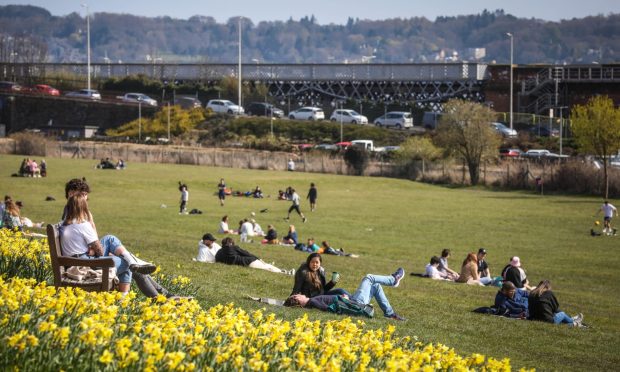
(256, 193)
(11, 218)
(30, 168)
(108, 164)
(516, 298)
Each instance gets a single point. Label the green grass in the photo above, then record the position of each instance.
(390, 223)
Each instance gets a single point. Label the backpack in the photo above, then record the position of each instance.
(342, 305)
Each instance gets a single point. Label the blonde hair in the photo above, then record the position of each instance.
(77, 209)
(12, 208)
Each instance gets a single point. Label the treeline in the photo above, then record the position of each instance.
(129, 38)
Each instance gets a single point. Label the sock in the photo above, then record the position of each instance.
(127, 256)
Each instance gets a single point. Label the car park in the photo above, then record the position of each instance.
(348, 116)
(510, 153)
(263, 109)
(9, 86)
(396, 119)
(503, 130)
(307, 113)
(139, 98)
(544, 131)
(85, 93)
(44, 89)
(224, 106)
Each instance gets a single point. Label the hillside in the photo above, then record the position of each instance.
(129, 38)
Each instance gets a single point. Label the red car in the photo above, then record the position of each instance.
(343, 145)
(45, 89)
(510, 153)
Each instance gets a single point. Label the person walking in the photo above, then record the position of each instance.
(221, 191)
(608, 210)
(184, 198)
(295, 206)
(312, 195)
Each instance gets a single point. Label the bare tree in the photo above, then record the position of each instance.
(596, 127)
(465, 132)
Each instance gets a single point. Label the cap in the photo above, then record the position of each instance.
(208, 236)
(482, 251)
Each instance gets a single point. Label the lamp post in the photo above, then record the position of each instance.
(87, 44)
(511, 36)
(341, 122)
(239, 81)
(139, 120)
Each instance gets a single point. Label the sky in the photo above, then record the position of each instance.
(330, 11)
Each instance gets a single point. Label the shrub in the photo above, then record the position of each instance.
(356, 159)
(28, 143)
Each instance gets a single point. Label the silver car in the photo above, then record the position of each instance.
(307, 113)
(396, 119)
(85, 93)
(348, 116)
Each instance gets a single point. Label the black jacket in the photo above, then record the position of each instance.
(234, 255)
(304, 286)
(544, 307)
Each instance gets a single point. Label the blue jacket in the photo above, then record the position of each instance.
(513, 307)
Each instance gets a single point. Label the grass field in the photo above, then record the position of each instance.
(389, 223)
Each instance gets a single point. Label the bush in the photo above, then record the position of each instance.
(356, 159)
(28, 143)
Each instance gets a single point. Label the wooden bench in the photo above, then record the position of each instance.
(60, 262)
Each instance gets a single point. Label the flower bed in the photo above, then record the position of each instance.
(42, 328)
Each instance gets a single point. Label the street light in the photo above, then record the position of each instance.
(87, 42)
(511, 36)
(239, 82)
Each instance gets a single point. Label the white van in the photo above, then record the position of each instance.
(367, 145)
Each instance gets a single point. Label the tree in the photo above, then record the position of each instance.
(356, 159)
(465, 132)
(417, 148)
(596, 127)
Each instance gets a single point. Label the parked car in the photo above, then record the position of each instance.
(187, 102)
(44, 89)
(544, 131)
(263, 109)
(431, 119)
(343, 145)
(307, 113)
(537, 153)
(349, 117)
(396, 119)
(224, 106)
(368, 145)
(327, 147)
(504, 130)
(305, 146)
(510, 153)
(138, 98)
(9, 86)
(85, 93)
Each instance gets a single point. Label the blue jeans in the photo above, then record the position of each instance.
(371, 287)
(562, 317)
(109, 244)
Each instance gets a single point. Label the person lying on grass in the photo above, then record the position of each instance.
(326, 248)
(544, 306)
(512, 301)
(370, 286)
(310, 279)
(232, 254)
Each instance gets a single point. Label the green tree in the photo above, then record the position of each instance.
(596, 127)
(465, 132)
(418, 148)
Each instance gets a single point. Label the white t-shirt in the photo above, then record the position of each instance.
(608, 209)
(295, 198)
(184, 195)
(258, 230)
(206, 254)
(432, 272)
(75, 238)
(223, 227)
(291, 165)
(246, 229)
